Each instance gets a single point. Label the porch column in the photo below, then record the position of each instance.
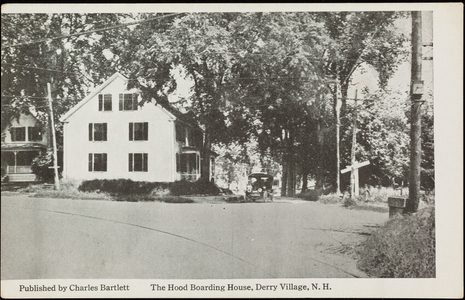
(15, 152)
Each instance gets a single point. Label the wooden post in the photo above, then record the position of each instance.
(354, 170)
(416, 91)
(353, 188)
(338, 103)
(54, 142)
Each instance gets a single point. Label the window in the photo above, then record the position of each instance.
(97, 131)
(187, 163)
(18, 134)
(128, 101)
(139, 131)
(180, 133)
(138, 162)
(104, 102)
(97, 162)
(34, 134)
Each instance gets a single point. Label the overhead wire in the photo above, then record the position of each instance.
(305, 78)
(49, 70)
(88, 32)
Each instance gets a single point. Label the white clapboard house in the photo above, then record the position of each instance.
(23, 139)
(108, 135)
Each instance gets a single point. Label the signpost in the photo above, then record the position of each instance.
(355, 168)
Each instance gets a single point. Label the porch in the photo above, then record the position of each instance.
(16, 163)
(188, 165)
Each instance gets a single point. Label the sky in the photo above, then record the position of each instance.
(401, 79)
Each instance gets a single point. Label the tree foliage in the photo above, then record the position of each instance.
(265, 77)
(37, 49)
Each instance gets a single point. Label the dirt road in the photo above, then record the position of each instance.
(64, 239)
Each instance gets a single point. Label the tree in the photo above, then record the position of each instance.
(382, 138)
(48, 48)
(276, 74)
(356, 39)
(200, 45)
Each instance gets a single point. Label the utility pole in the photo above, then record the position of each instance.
(353, 192)
(338, 102)
(54, 142)
(416, 91)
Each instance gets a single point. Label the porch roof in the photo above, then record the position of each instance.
(23, 146)
(190, 149)
(185, 149)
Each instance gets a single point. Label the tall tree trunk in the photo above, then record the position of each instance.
(291, 176)
(284, 175)
(291, 166)
(205, 166)
(353, 192)
(304, 179)
(319, 176)
(344, 93)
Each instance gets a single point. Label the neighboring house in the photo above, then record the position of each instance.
(108, 135)
(22, 141)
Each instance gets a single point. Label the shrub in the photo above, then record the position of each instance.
(404, 248)
(200, 187)
(121, 186)
(41, 166)
(151, 198)
(129, 187)
(68, 190)
(347, 201)
(310, 195)
(330, 198)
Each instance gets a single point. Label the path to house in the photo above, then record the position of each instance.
(63, 239)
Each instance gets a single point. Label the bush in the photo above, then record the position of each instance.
(309, 195)
(152, 198)
(41, 167)
(404, 248)
(330, 198)
(347, 201)
(68, 190)
(200, 187)
(121, 186)
(128, 187)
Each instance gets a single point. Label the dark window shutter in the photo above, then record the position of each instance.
(91, 133)
(146, 131)
(130, 162)
(131, 131)
(120, 101)
(134, 101)
(104, 162)
(90, 162)
(100, 102)
(104, 138)
(178, 162)
(145, 162)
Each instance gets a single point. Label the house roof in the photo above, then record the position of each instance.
(170, 111)
(91, 95)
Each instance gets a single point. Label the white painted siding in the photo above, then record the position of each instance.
(159, 147)
(24, 121)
